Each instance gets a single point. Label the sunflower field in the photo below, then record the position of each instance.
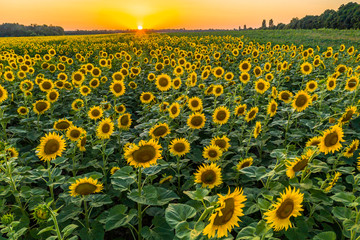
(158, 136)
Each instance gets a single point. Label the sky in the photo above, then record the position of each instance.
(159, 14)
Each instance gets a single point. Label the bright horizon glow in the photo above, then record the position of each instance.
(159, 14)
(140, 27)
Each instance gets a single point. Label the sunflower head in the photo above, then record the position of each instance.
(163, 82)
(247, 162)
(95, 112)
(145, 154)
(209, 175)
(179, 147)
(41, 106)
(331, 140)
(159, 130)
(84, 187)
(62, 125)
(196, 120)
(124, 121)
(212, 152)
(251, 114)
(221, 142)
(105, 129)
(301, 101)
(51, 146)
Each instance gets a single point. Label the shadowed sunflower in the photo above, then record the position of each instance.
(226, 216)
(301, 101)
(240, 110)
(212, 153)
(209, 175)
(179, 147)
(163, 82)
(272, 107)
(84, 187)
(51, 146)
(77, 104)
(12, 152)
(349, 151)
(251, 114)
(352, 83)
(349, 113)
(196, 120)
(314, 141)
(120, 108)
(221, 142)
(23, 110)
(117, 88)
(330, 140)
(124, 121)
(221, 115)
(95, 113)
(159, 130)
(105, 129)
(174, 110)
(41, 106)
(257, 129)
(285, 96)
(247, 162)
(62, 124)
(145, 154)
(288, 205)
(81, 144)
(298, 164)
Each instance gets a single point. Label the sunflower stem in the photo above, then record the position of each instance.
(139, 206)
(178, 173)
(57, 229)
(288, 126)
(86, 215)
(51, 187)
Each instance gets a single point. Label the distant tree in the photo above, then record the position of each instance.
(271, 24)
(239, 28)
(263, 25)
(17, 30)
(245, 27)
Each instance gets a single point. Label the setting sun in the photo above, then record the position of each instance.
(140, 27)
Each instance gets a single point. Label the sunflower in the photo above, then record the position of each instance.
(330, 140)
(306, 68)
(205, 74)
(332, 182)
(159, 130)
(145, 154)
(117, 76)
(218, 72)
(311, 86)
(41, 106)
(23, 110)
(196, 120)
(163, 82)
(257, 71)
(285, 96)
(195, 104)
(85, 90)
(26, 85)
(288, 205)
(178, 71)
(84, 187)
(95, 112)
(245, 66)
(179, 147)
(247, 162)
(218, 90)
(212, 152)
(62, 124)
(75, 133)
(117, 88)
(124, 121)
(120, 108)
(221, 115)
(314, 141)
(240, 110)
(229, 76)
(51, 146)
(272, 107)
(221, 142)
(105, 129)
(349, 113)
(77, 104)
(352, 83)
(12, 152)
(298, 164)
(244, 77)
(261, 86)
(176, 83)
(349, 151)
(257, 129)
(174, 110)
(209, 175)
(81, 144)
(146, 97)
(226, 216)
(251, 114)
(301, 101)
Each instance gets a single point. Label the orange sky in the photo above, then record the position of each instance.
(189, 14)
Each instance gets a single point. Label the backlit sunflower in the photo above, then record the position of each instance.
(298, 164)
(95, 112)
(62, 124)
(221, 115)
(349, 113)
(349, 151)
(179, 147)
(240, 110)
(257, 129)
(146, 97)
(163, 82)
(196, 120)
(124, 121)
(145, 154)
(23, 110)
(209, 175)
(105, 129)
(51, 146)
(212, 152)
(41, 106)
(272, 107)
(160, 130)
(352, 83)
(306, 68)
(226, 216)
(301, 101)
(195, 104)
(247, 162)
(75, 133)
(221, 142)
(174, 110)
(330, 140)
(288, 205)
(285, 96)
(251, 114)
(84, 187)
(117, 88)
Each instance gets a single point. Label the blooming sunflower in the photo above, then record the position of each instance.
(77, 104)
(212, 152)
(306, 68)
(349, 151)
(221, 115)
(85, 90)
(105, 129)
(120, 108)
(159, 130)
(298, 164)
(352, 83)
(251, 114)
(124, 121)
(240, 110)
(285, 96)
(288, 205)
(146, 97)
(218, 72)
(163, 82)
(218, 90)
(81, 144)
(221, 142)
(349, 113)
(244, 77)
(257, 129)
(261, 86)
(174, 110)
(226, 216)
(84, 187)
(117, 88)
(196, 120)
(51, 146)
(179, 147)
(330, 140)
(176, 83)
(331, 84)
(301, 101)
(12, 152)
(209, 175)
(311, 86)
(62, 124)
(247, 162)
(41, 106)
(195, 104)
(95, 112)
(314, 141)
(52, 95)
(75, 133)
(145, 154)
(272, 107)
(245, 66)
(23, 110)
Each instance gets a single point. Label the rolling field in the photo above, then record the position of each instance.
(220, 135)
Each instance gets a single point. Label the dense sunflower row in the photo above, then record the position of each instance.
(186, 137)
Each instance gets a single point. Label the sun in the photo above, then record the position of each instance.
(140, 27)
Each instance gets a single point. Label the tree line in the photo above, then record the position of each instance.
(346, 17)
(18, 30)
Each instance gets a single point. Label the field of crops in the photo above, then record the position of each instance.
(173, 136)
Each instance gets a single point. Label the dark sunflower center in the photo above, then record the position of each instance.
(331, 83)
(117, 88)
(146, 97)
(51, 146)
(301, 101)
(105, 128)
(257, 71)
(331, 139)
(1, 93)
(245, 164)
(218, 72)
(245, 66)
(314, 143)
(85, 188)
(22, 110)
(273, 108)
(251, 114)
(62, 125)
(213, 153)
(227, 213)
(144, 154)
(221, 143)
(241, 110)
(83, 141)
(163, 82)
(77, 77)
(124, 120)
(176, 83)
(96, 72)
(196, 121)
(46, 85)
(117, 77)
(218, 90)
(194, 103)
(311, 86)
(300, 165)
(53, 96)
(285, 96)
(347, 116)
(179, 147)
(261, 86)
(352, 149)
(221, 115)
(41, 106)
(75, 133)
(208, 177)
(352, 83)
(341, 69)
(286, 209)
(95, 113)
(306, 68)
(159, 131)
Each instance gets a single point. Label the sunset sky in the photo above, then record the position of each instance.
(189, 14)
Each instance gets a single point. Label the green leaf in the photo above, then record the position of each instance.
(46, 230)
(197, 195)
(344, 197)
(117, 217)
(246, 233)
(99, 200)
(123, 178)
(341, 213)
(325, 236)
(69, 229)
(152, 196)
(254, 172)
(176, 214)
